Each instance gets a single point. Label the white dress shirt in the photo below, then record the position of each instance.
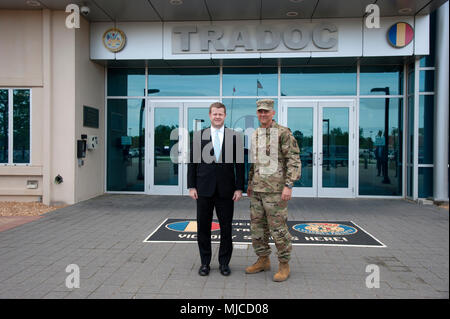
(221, 133)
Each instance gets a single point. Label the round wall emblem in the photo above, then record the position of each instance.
(325, 229)
(189, 226)
(114, 39)
(400, 35)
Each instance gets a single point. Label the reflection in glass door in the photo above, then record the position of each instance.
(126, 145)
(335, 178)
(301, 119)
(168, 143)
(164, 173)
(324, 132)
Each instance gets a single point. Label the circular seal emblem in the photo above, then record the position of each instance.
(114, 39)
(325, 229)
(189, 226)
(400, 35)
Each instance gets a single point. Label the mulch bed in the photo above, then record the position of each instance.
(25, 208)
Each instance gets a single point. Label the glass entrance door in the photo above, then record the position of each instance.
(164, 171)
(301, 118)
(336, 149)
(324, 132)
(171, 124)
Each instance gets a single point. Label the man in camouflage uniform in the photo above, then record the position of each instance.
(275, 167)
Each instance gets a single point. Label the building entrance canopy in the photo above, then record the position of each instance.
(332, 38)
(216, 10)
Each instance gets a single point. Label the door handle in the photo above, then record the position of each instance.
(320, 158)
(314, 159)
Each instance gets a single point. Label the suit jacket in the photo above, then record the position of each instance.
(206, 174)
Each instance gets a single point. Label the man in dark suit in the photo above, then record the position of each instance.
(216, 180)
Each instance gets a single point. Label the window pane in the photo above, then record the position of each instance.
(241, 115)
(427, 61)
(309, 81)
(126, 82)
(411, 79)
(126, 145)
(425, 182)
(335, 147)
(198, 119)
(426, 124)
(301, 123)
(250, 81)
(410, 148)
(166, 171)
(21, 118)
(410, 181)
(4, 126)
(184, 82)
(426, 81)
(410, 136)
(380, 156)
(381, 80)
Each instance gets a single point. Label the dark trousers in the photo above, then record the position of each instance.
(224, 210)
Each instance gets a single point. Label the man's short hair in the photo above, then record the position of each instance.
(217, 105)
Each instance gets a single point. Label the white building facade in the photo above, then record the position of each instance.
(92, 110)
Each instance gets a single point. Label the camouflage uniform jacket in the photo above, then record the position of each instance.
(275, 159)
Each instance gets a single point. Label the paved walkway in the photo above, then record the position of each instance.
(104, 237)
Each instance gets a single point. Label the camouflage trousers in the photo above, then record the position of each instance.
(268, 216)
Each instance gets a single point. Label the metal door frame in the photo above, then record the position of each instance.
(151, 188)
(318, 104)
(183, 106)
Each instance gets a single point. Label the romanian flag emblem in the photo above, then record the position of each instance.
(400, 35)
(189, 226)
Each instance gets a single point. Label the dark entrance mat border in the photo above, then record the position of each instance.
(247, 243)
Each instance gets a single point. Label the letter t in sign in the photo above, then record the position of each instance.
(184, 37)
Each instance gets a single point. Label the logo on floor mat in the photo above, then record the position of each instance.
(325, 229)
(188, 226)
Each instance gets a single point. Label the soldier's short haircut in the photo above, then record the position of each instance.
(217, 105)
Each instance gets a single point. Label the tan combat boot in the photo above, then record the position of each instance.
(262, 264)
(283, 272)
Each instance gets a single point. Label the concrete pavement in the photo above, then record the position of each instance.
(104, 238)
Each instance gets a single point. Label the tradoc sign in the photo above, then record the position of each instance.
(260, 38)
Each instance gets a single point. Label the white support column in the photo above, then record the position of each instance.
(441, 105)
(47, 106)
(404, 133)
(415, 145)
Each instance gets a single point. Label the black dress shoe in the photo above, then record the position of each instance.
(225, 270)
(204, 270)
